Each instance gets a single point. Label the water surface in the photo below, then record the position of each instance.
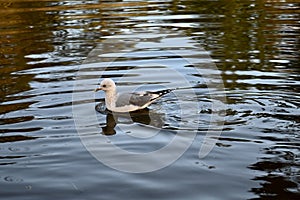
(53, 50)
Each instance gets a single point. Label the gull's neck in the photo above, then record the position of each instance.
(110, 99)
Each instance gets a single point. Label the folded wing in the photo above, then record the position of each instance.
(140, 99)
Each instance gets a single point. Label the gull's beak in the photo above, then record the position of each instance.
(97, 89)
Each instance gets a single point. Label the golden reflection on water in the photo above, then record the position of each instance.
(250, 36)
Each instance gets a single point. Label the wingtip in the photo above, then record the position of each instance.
(163, 92)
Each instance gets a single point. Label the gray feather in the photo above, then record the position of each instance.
(139, 99)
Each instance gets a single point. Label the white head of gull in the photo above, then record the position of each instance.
(127, 102)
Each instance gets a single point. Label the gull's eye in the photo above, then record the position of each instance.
(103, 85)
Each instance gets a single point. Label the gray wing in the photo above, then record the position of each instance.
(139, 99)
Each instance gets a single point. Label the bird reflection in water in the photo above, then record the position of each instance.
(144, 116)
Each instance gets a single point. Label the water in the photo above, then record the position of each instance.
(53, 54)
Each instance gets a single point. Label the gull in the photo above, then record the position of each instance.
(127, 102)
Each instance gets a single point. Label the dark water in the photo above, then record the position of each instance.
(53, 54)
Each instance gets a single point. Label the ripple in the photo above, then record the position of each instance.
(15, 138)
(18, 149)
(12, 179)
(48, 47)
